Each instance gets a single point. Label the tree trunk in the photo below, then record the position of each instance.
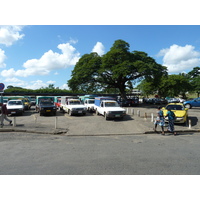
(122, 91)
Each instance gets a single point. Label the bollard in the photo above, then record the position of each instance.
(14, 122)
(145, 116)
(56, 122)
(35, 118)
(132, 111)
(190, 124)
(151, 117)
(138, 113)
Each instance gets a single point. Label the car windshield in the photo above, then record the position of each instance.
(14, 103)
(175, 107)
(91, 101)
(111, 104)
(45, 103)
(74, 102)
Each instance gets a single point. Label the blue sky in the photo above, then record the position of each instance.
(34, 56)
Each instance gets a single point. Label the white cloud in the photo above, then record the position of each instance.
(180, 58)
(10, 34)
(64, 86)
(51, 82)
(8, 73)
(2, 58)
(48, 62)
(36, 85)
(99, 48)
(14, 82)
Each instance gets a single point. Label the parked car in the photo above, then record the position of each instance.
(72, 106)
(89, 103)
(129, 102)
(109, 108)
(33, 101)
(192, 103)
(154, 101)
(173, 100)
(179, 110)
(46, 107)
(15, 107)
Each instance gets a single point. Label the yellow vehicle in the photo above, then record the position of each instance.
(179, 110)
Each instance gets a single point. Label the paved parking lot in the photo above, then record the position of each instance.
(137, 121)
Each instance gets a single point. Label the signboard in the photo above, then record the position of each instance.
(2, 86)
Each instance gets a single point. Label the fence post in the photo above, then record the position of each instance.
(151, 117)
(145, 116)
(138, 113)
(35, 119)
(132, 111)
(56, 122)
(14, 122)
(190, 124)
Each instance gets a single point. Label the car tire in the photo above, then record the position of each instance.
(188, 106)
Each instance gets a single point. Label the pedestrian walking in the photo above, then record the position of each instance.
(4, 113)
(160, 120)
(171, 118)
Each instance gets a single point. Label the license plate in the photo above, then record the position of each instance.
(79, 111)
(117, 115)
(48, 110)
(13, 112)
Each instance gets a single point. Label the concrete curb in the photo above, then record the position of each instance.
(65, 131)
(54, 132)
(177, 131)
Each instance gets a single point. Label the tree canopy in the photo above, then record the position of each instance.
(115, 69)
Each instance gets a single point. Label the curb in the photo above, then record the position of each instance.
(55, 132)
(177, 131)
(60, 132)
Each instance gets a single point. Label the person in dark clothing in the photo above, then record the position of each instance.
(160, 120)
(4, 113)
(171, 118)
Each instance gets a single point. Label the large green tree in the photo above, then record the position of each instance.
(171, 85)
(194, 77)
(115, 69)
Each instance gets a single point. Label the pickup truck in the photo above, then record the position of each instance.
(72, 106)
(89, 103)
(45, 105)
(109, 108)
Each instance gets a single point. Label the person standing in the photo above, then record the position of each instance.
(171, 118)
(4, 113)
(160, 120)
